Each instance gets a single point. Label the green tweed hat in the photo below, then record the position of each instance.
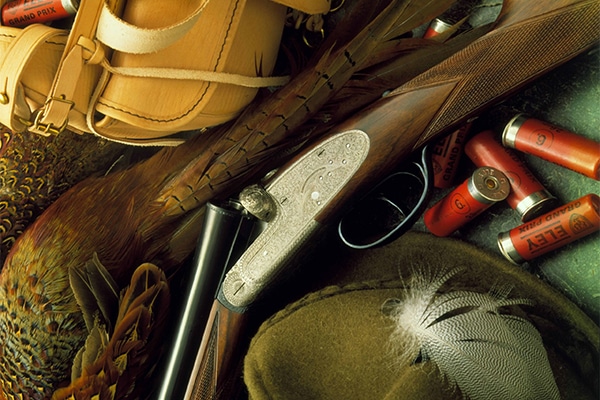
(425, 318)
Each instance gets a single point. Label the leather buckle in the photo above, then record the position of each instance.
(48, 129)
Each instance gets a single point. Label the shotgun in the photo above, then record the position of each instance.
(320, 184)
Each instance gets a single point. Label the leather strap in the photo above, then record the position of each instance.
(96, 23)
(13, 106)
(122, 36)
(53, 117)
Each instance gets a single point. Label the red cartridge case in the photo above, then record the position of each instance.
(552, 230)
(527, 197)
(485, 187)
(436, 27)
(554, 144)
(26, 12)
(445, 157)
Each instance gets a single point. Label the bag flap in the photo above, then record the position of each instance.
(237, 38)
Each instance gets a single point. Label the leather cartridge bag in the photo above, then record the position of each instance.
(141, 71)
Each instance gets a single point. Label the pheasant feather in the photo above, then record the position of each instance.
(117, 364)
(482, 351)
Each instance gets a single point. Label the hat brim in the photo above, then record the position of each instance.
(333, 342)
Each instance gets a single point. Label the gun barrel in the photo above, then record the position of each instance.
(227, 232)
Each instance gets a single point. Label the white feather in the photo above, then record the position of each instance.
(484, 353)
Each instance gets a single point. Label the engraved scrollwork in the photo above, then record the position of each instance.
(300, 193)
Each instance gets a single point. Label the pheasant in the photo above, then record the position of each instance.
(151, 212)
(41, 323)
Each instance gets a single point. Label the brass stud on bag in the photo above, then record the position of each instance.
(4, 98)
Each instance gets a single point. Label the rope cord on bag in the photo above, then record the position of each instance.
(122, 36)
(196, 75)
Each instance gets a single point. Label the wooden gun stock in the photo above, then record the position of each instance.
(217, 370)
(530, 39)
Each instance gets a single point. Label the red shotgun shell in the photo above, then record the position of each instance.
(436, 27)
(554, 144)
(26, 12)
(445, 157)
(484, 188)
(552, 230)
(527, 197)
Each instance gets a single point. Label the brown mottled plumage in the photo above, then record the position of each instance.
(116, 217)
(35, 170)
(151, 211)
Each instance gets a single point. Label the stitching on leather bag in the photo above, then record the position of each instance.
(201, 96)
(226, 34)
(155, 119)
(6, 35)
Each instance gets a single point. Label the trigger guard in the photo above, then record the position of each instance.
(420, 171)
